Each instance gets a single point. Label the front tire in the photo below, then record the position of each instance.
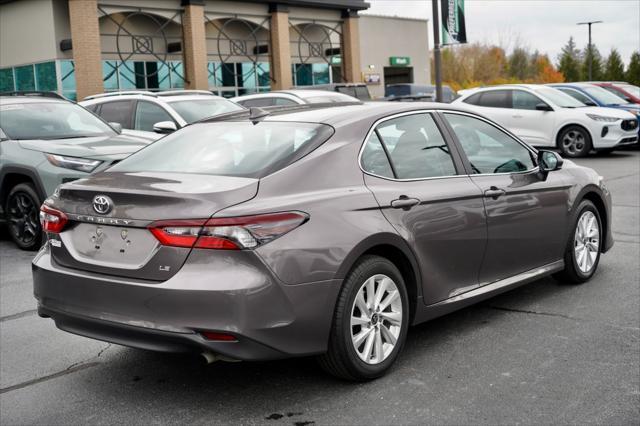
(22, 211)
(370, 321)
(582, 254)
(574, 141)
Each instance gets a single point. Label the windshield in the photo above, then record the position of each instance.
(197, 109)
(634, 90)
(603, 96)
(558, 98)
(229, 148)
(50, 120)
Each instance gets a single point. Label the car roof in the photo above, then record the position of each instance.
(341, 115)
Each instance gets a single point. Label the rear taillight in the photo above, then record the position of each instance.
(230, 233)
(52, 220)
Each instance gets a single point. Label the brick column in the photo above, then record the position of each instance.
(194, 49)
(351, 47)
(85, 39)
(280, 66)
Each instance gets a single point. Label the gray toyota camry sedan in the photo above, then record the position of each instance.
(313, 231)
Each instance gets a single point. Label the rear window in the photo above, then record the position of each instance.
(229, 148)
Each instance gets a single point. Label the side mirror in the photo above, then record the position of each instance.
(164, 127)
(116, 126)
(590, 103)
(549, 161)
(543, 107)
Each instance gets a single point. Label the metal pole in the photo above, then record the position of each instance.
(589, 46)
(437, 60)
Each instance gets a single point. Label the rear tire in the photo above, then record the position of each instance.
(369, 326)
(22, 211)
(574, 141)
(582, 254)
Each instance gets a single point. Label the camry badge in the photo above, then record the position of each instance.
(102, 204)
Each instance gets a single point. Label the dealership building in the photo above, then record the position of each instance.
(83, 47)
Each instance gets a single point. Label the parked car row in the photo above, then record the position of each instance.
(575, 118)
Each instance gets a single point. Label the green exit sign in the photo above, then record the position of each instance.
(400, 61)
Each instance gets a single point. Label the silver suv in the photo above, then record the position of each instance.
(152, 114)
(46, 140)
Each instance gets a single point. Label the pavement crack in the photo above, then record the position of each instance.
(524, 311)
(18, 315)
(69, 370)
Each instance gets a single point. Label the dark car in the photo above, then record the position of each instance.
(409, 92)
(46, 140)
(313, 232)
(359, 91)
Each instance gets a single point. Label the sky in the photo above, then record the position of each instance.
(545, 25)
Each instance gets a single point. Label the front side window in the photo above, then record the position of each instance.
(489, 149)
(50, 120)
(117, 112)
(416, 147)
(525, 100)
(229, 148)
(148, 114)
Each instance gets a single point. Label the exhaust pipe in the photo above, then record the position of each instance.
(210, 357)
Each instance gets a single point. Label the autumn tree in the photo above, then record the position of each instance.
(545, 71)
(633, 70)
(569, 61)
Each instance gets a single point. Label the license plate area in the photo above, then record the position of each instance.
(110, 246)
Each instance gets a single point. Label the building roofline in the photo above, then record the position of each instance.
(404, 18)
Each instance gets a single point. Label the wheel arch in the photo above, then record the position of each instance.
(11, 176)
(594, 194)
(570, 124)
(395, 249)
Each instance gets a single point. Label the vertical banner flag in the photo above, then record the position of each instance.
(453, 26)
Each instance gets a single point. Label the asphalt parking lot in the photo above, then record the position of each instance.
(543, 354)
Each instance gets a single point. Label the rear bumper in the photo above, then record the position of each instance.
(270, 320)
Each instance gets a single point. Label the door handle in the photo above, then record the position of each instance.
(494, 192)
(404, 203)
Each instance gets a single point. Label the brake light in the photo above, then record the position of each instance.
(218, 337)
(52, 220)
(227, 233)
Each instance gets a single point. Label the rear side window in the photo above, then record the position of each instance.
(415, 147)
(495, 99)
(229, 148)
(473, 99)
(374, 159)
(284, 102)
(117, 112)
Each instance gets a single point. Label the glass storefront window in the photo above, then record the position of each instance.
(127, 76)
(215, 74)
(177, 74)
(303, 75)
(262, 72)
(6, 80)
(25, 78)
(67, 75)
(46, 77)
(320, 73)
(164, 81)
(110, 75)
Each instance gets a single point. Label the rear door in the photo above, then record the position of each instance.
(415, 176)
(531, 125)
(527, 215)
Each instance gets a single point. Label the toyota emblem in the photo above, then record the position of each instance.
(102, 204)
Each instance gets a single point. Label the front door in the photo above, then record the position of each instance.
(527, 215)
(530, 124)
(414, 175)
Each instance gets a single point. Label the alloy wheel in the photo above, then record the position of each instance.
(376, 319)
(586, 242)
(22, 214)
(573, 142)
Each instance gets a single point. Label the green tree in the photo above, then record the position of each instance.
(569, 61)
(519, 64)
(633, 70)
(597, 71)
(614, 67)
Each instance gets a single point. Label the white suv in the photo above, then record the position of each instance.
(152, 114)
(544, 116)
